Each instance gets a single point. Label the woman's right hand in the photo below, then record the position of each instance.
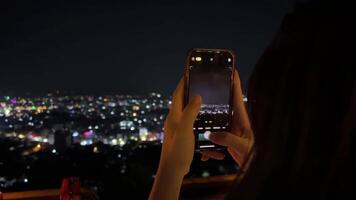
(240, 140)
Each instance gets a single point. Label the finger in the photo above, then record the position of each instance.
(177, 99)
(175, 111)
(213, 154)
(225, 139)
(204, 157)
(235, 155)
(190, 113)
(240, 118)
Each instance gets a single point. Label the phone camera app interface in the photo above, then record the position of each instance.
(210, 77)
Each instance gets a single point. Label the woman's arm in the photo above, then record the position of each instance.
(167, 183)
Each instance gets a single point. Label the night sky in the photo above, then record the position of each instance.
(126, 48)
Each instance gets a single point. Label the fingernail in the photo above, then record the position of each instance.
(207, 135)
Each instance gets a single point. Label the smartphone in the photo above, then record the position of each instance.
(209, 73)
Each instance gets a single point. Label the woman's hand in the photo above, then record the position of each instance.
(240, 140)
(178, 142)
(178, 146)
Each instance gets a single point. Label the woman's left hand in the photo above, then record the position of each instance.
(240, 140)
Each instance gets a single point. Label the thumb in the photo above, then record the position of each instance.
(225, 139)
(190, 112)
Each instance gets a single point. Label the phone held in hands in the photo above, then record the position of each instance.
(209, 73)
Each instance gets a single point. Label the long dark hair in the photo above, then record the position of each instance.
(302, 100)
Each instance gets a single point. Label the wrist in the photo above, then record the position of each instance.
(250, 158)
(172, 168)
(167, 183)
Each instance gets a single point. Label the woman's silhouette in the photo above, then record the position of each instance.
(302, 108)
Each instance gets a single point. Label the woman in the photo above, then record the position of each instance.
(302, 107)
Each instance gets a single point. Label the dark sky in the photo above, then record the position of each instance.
(130, 47)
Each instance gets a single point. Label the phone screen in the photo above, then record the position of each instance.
(210, 76)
